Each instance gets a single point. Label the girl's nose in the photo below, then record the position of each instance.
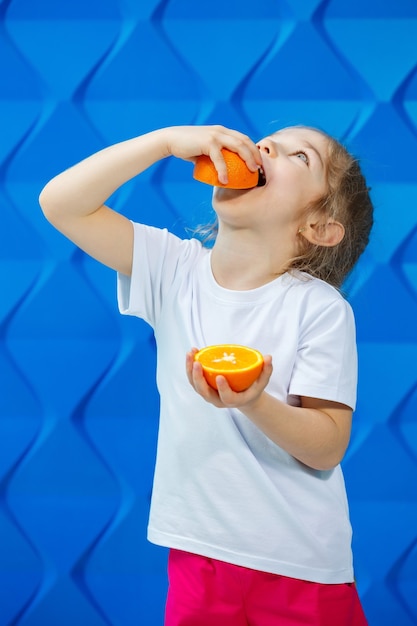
(267, 146)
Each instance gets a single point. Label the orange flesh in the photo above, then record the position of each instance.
(240, 365)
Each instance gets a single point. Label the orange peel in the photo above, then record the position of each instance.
(239, 175)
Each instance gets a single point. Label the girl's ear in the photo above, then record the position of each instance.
(326, 234)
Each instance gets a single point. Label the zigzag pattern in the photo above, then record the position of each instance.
(78, 403)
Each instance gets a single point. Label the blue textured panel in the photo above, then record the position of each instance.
(140, 85)
(382, 38)
(27, 173)
(61, 601)
(293, 86)
(19, 98)
(20, 416)
(377, 320)
(304, 9)
(383, 140)
(385, 531)
(240, 44)
(126, 572)
(405, 423)
(410, 100)
(365, 9)
(66, 347)
(20, 423)
(403, 580)
(21, 570)
(78, 401)
(64, 75)
(44, 501)
(392, 227)
(95, 10)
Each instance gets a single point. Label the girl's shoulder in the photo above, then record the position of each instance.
(163, 240)
(310, 286)
(313, 296)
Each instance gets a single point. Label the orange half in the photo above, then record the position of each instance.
(239, 175)
(240, 365)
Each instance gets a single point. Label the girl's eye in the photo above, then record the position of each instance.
(302, 155)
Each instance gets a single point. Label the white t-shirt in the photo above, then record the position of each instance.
(222, 488)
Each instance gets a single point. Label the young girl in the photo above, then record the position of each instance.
(248, 491)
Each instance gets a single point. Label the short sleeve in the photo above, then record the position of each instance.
(157, 258)
(326, 361)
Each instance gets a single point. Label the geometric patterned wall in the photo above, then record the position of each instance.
(78, 404)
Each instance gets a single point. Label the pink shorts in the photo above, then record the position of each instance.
(206, 592)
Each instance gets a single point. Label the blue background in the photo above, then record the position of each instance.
(78, 405)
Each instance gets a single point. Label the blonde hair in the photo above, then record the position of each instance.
(347, 200)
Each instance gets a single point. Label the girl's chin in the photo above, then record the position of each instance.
(224, 193)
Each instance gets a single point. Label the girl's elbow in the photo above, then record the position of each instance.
(45, 201)
(329, 462)
(326, 461)
(49, 202)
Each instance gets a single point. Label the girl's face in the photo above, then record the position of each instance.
(294, 163)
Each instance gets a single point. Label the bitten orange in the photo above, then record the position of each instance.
(240, 365)
(239, 175)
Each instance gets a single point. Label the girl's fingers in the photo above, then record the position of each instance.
(247, 150)
(232, 398)
(189, 361)
(220, 165)
(189, 142)
(203, 388)
(235, 141)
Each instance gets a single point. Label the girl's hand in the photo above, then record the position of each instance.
(225, 397)
(189, 142)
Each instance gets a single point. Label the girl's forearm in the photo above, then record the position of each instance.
(85, 187)
(316, 437)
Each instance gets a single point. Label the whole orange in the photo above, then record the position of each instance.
(239, 175)
(240, 365)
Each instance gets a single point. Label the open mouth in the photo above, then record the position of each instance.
(261, 177)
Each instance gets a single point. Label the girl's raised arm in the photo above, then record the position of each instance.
(74, 201)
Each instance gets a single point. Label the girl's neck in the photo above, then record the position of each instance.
(240, 260)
